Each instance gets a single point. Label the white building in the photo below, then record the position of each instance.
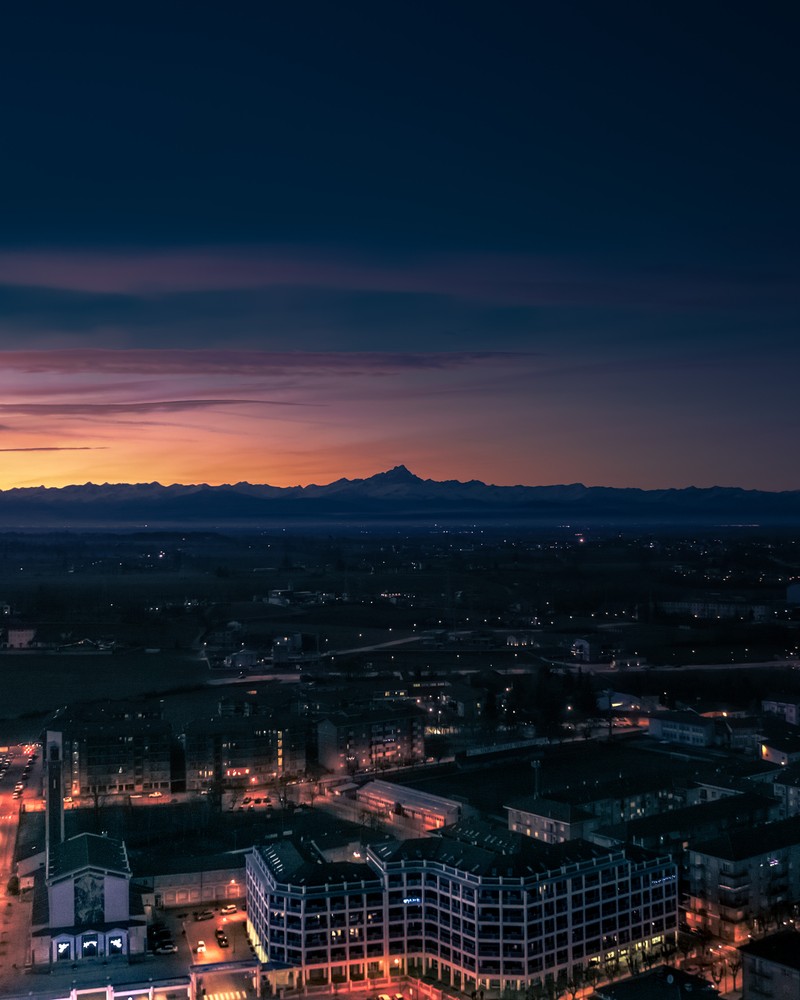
(468, 917)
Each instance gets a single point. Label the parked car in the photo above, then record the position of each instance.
(222, 938)
(166, 948)
(204, 915)
(201, 947)
(229, 908)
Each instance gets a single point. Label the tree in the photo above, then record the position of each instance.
(735, 964)
(592, 974)
(575, 981)
(611, 968)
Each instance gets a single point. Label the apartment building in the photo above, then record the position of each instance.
(575, 813)
(549, 820)
(771, 967)
(106, 757)
(361, 740)
(465, 916)
(744, 880)
(241, 752)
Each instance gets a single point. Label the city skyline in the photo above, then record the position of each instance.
(532, 246)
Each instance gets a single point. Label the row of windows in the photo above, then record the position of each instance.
(508, 958)
(612, 880)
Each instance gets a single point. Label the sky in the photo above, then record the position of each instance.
(520, 242)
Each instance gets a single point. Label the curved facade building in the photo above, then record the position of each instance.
(467, 916)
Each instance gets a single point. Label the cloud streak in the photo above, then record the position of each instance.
(111, 409)
(499, 278)
(169, 361)
(80, 447)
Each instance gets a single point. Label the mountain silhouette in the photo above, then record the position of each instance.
(396, 494)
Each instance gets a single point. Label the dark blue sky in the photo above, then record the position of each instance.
(605, 192)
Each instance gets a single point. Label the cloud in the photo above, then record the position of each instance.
(110, 409)
(498, 278)
(159, 272)
(80, 447)
(169, 361)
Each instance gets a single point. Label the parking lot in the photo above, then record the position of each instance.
(203, 936)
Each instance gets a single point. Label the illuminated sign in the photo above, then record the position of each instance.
(666, 878)
(412, 899)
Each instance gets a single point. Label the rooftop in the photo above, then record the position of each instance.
(782, 948)
(87, 850)
(287, 864)
(407, 796)
(663, 983)
(737, 845)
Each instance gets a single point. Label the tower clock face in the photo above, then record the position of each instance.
(89, 899)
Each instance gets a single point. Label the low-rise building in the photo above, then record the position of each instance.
(783, 749)
(686, 728)
(419, 812)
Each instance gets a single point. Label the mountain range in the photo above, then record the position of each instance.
(395, 495)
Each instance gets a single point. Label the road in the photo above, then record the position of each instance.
(15, 910)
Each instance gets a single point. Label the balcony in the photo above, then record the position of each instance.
(736, 880)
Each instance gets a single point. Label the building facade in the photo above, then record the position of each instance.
(418, 811)
(771, 967)
(744, 881)
(367, 741)
(230, 752)
(83, 907)
(465, 916)
(116, 757)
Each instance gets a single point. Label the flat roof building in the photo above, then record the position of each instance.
(468, 917)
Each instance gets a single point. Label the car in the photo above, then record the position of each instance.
(384, 996)
(222, 939)
(201, 947)
(204, 915)
(165, 948)
(18, 787)
(229, 908)
(17, 795)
